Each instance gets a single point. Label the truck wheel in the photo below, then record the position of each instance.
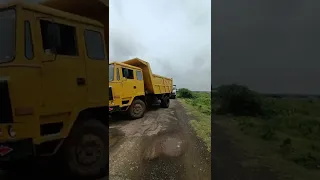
(85, 151)
(137, 109)
(165, 102)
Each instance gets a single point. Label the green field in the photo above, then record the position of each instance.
(199, 105)
(287, 137)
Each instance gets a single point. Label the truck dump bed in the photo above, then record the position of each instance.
(153, 83)
(94, 9)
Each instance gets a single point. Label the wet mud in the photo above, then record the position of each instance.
(165, 147)
(160, 146)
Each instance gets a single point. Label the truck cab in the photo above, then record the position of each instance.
(125, 83)
(53, 76)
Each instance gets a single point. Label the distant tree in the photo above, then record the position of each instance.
(238, 100)
(185, 93)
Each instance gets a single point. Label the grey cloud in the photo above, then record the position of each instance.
(173, 36)
(271, 46)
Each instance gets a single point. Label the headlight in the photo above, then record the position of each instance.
(12, 132)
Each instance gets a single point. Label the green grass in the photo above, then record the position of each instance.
(290, 137)
(200, 107)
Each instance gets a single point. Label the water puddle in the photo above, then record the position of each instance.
(114, 136)
(165, 145)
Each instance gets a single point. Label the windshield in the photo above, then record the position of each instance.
(7, 35)
(111, 72)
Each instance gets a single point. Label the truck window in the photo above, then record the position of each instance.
(7, 35)
(127, 73)
(118, 74)
(139, 75)
(67, 34)
(28, 40)
(111, 72)
(94, 45)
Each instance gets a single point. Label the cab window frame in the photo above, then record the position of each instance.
(100, 57)
(141, 75)
(65, 30)
(123, 74)
(28, 41)
(118, 76)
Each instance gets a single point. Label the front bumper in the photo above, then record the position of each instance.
(113, 109)
(16, 142)
(16, 150)
(21, 131)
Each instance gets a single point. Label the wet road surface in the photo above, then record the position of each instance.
(160, 146)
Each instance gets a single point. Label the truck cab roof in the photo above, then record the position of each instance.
(125, 65)
(42, 8)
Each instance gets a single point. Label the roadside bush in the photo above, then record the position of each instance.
(239, 101)
(185, 93)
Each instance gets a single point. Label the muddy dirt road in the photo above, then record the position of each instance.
(159, 146)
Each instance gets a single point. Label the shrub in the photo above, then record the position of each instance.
(238, 100)
(185, 93)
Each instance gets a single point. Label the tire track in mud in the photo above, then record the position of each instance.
(159, 146)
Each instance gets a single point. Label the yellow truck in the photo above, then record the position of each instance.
(133, 87)
(54, 84)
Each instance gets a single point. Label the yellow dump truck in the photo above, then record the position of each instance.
(133, 87)
(54, 84)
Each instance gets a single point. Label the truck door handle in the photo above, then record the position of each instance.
(134, 87)
(81, 81)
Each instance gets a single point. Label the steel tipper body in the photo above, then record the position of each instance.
(53, 84)
(133, 87)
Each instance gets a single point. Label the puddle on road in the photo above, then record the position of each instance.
(163, 157)
(114, 136)
(164, 145)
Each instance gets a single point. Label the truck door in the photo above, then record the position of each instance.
(140, 83)
(128, 84)
(116, 84)
(63, 68)
(96, 65)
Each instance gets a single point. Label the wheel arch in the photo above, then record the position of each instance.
(100, 113)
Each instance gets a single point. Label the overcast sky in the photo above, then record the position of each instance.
(174, 36)
(270, 45)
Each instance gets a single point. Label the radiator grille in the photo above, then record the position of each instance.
(5, 103)
(110, 93)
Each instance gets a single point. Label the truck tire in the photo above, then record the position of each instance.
(137, 109)
(165, 102)
(85, 152)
